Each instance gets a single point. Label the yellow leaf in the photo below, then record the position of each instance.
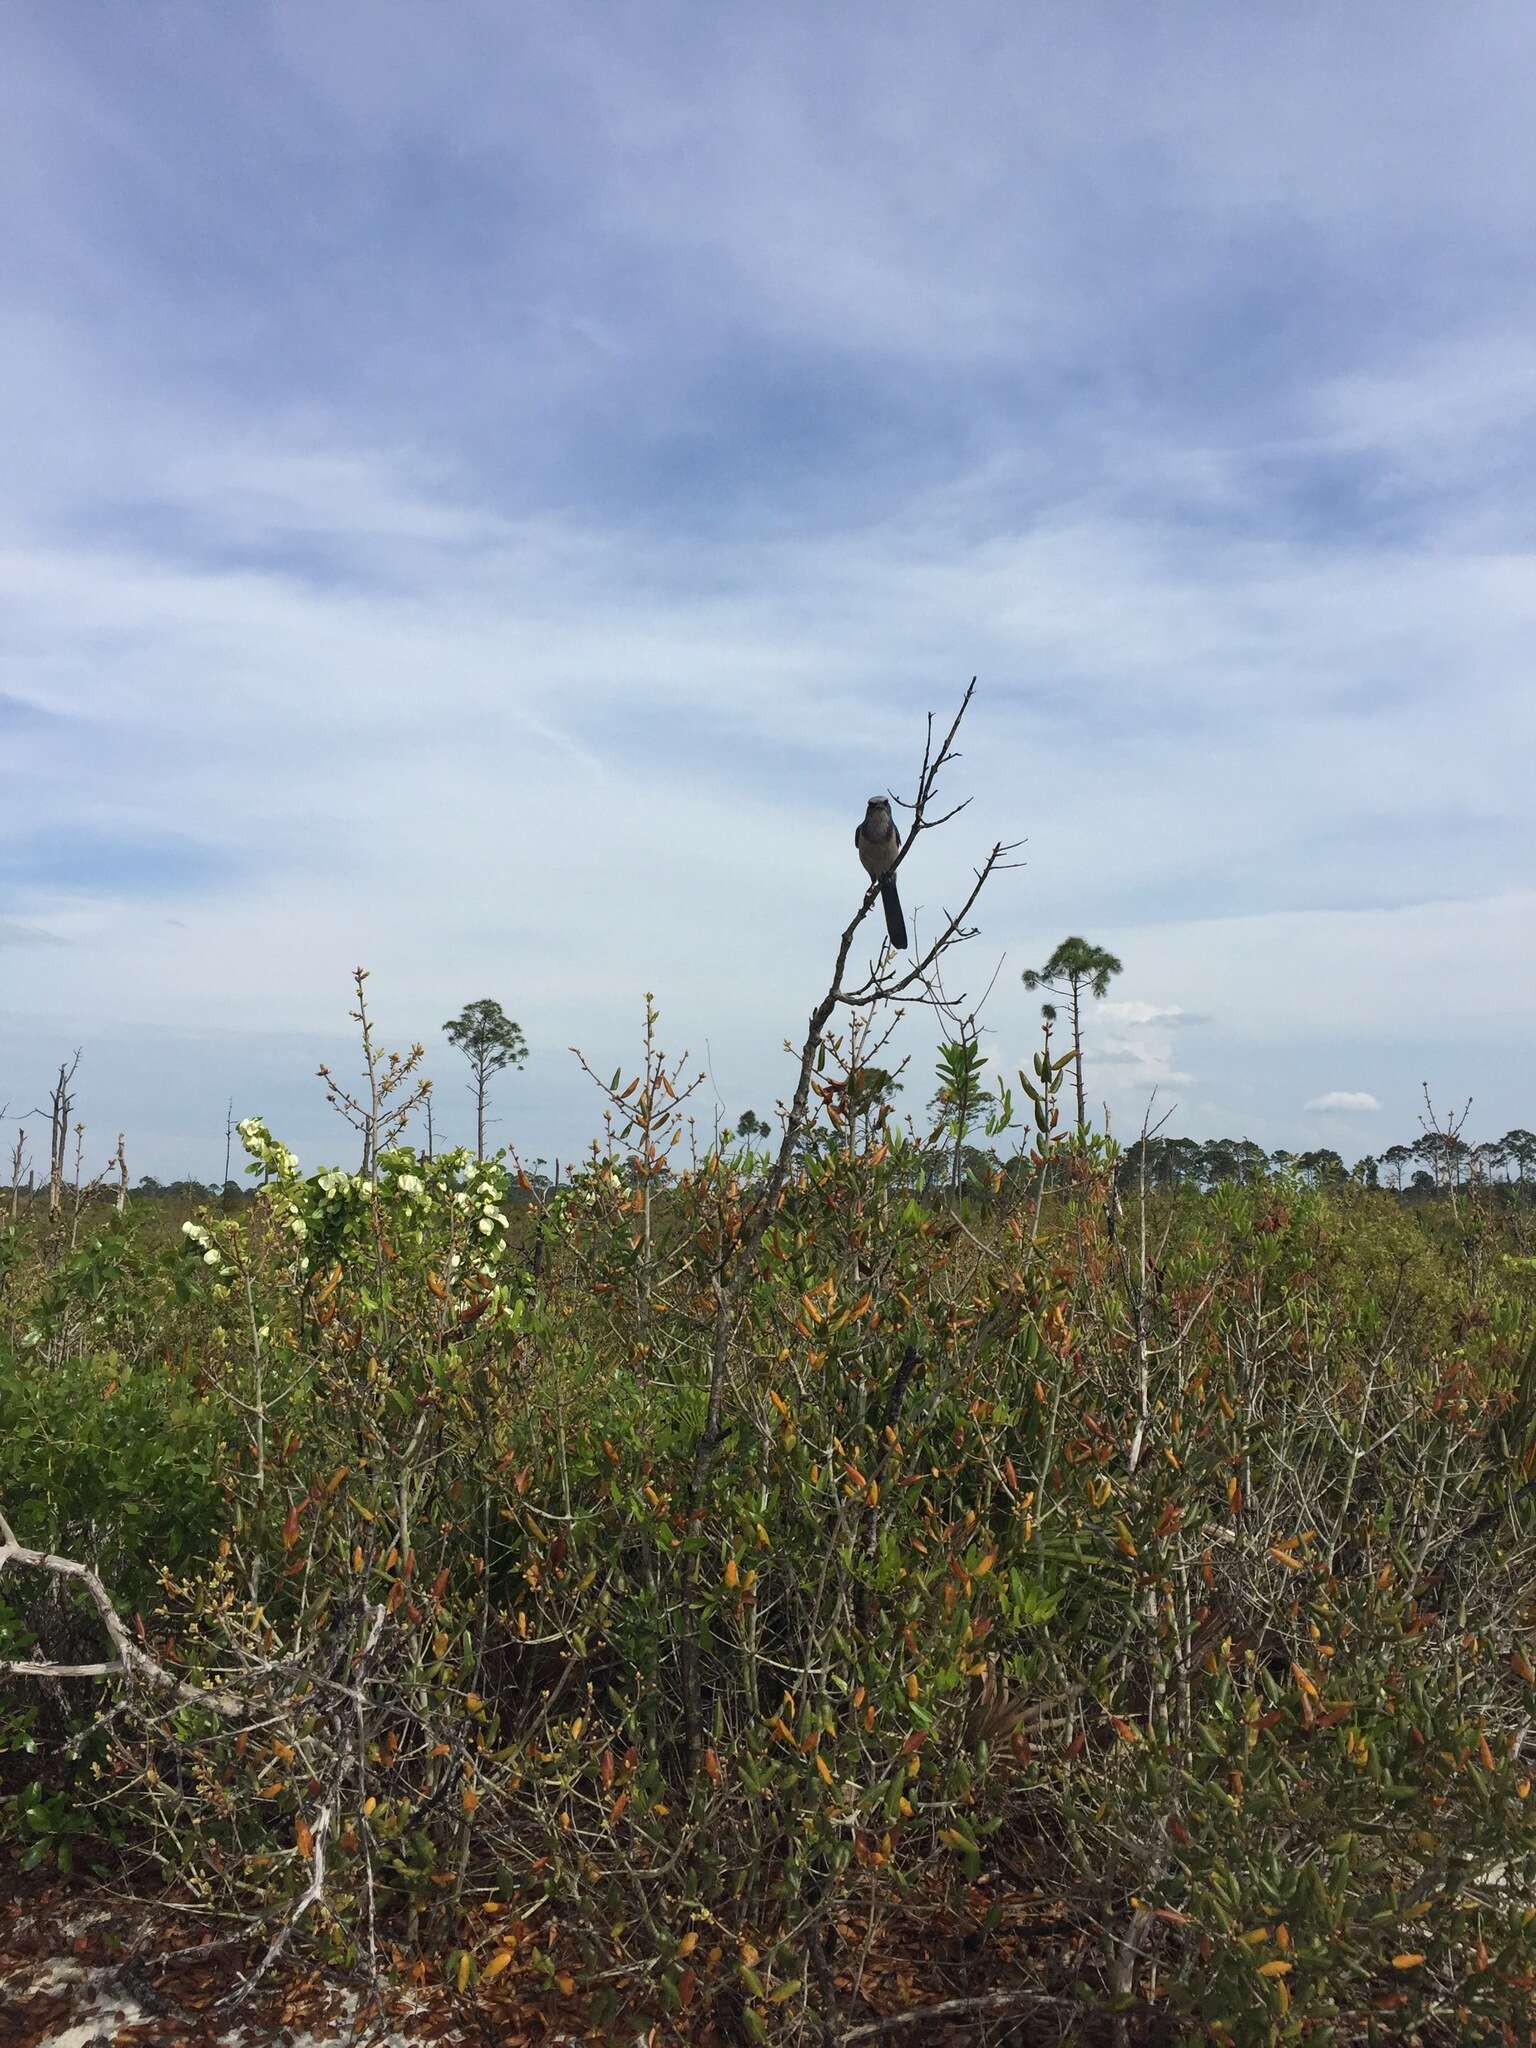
(912, 1685)
(826, 1775)
(496, 1965)
(1292, 1564)
(566, 1982)
(986, 1564)
(461, 1975)
(732, 1575)
(689, 1943)
(1410, 1961)
(1276, 1968)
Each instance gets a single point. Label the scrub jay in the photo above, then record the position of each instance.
(878, 843)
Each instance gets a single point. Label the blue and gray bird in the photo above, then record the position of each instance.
(879, 842)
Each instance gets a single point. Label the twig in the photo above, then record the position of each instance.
(990, 2002)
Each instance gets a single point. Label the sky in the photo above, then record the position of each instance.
(488, 493)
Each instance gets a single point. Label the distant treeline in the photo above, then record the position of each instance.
(1432, 1162)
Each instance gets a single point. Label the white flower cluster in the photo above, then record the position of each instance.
(200, 1236)
(265, 1149)
(327, 1215)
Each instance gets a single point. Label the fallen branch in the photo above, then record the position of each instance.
(130, 1662)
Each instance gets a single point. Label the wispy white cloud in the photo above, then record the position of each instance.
(1115, 1012)
(1129, 1050)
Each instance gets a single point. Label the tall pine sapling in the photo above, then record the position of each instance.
(491, 1042)
(1076, 966)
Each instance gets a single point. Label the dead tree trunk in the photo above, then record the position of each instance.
(60, 1104)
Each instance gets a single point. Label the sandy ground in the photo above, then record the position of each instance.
(80, 1975)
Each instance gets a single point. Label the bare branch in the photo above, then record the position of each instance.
(130, 1662)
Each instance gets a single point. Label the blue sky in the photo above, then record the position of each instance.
(488, 493)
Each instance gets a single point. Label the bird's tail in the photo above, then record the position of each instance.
(895, 923)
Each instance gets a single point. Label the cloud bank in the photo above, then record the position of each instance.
(490, 501)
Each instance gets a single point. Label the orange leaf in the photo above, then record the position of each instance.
(303, 1837)
(1409, 1961)
(496, 1965)
(1277, 1968)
